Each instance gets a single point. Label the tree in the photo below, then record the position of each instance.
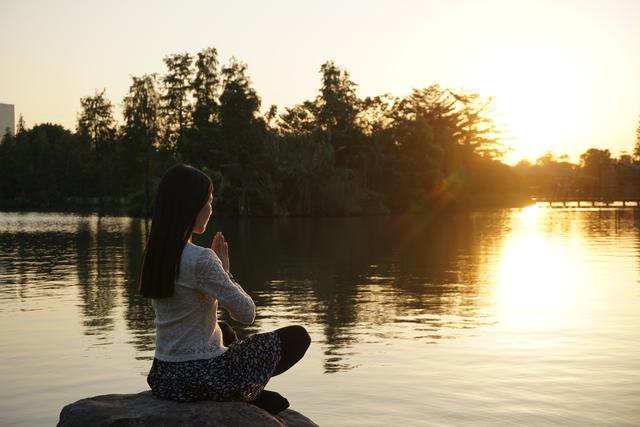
(43, 166)
(594, 165)
(142, 126)
(338, 107)
(419, 148)
(625, 158)
(430, 107)
(142, 109)
(205, 88)
(96, 118)
(96, 124)
(176, 105)
(239, 107)
(300, 120)
(242, 132)
(549, 159)
(22, 127)
(594, 159)
(636, 149)
(375, 113)
(477, 130)
(338, 102)
(11, 166)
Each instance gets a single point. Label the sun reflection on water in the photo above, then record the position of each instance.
(535, 274)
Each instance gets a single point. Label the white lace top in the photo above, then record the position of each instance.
(186, 323)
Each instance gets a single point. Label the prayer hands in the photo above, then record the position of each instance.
(221, 248)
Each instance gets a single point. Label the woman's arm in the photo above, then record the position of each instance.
(213, 280)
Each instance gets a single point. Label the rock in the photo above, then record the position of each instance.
(144, 409)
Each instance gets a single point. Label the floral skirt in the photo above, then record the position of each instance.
(240, 373)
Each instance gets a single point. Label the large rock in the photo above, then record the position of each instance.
(143, 409)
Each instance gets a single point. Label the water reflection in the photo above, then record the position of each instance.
(368, 280)
(354, 280)
(139, 312)
(100, 245)
(35, 260)
(109, 256)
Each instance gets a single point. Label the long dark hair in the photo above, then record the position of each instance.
(183, 191)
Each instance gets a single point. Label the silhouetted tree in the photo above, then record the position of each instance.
(300, 120)
(636, 148)
(594, 164)
(477, 129)
(141, 130)
(176, 97)
(43, 166)
(338, 107)
(9, 167)
(625, 158)
(21, 125)
(418, 133)
(242, 132)
(97, 125)
(96, 118)
(593, 159)
(205, 88)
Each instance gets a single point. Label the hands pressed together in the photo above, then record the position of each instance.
(221, 248)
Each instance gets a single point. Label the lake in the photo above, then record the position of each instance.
(501, 317)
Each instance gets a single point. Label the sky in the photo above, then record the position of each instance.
(564, 75)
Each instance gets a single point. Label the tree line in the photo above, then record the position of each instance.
(335, 154)
(598, 176)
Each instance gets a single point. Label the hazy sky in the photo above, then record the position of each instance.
(565, 74)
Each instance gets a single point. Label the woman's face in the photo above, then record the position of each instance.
(203, 217)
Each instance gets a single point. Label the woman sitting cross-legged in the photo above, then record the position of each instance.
(196, 357)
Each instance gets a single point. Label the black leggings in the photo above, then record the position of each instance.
(294, 342)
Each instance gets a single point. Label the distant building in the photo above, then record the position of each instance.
(7, 119)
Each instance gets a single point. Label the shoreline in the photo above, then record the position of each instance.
(115, 210)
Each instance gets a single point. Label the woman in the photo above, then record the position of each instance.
(196, 357)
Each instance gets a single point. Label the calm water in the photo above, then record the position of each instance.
(509, 317)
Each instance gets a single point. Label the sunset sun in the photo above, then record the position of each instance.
(541, 97)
